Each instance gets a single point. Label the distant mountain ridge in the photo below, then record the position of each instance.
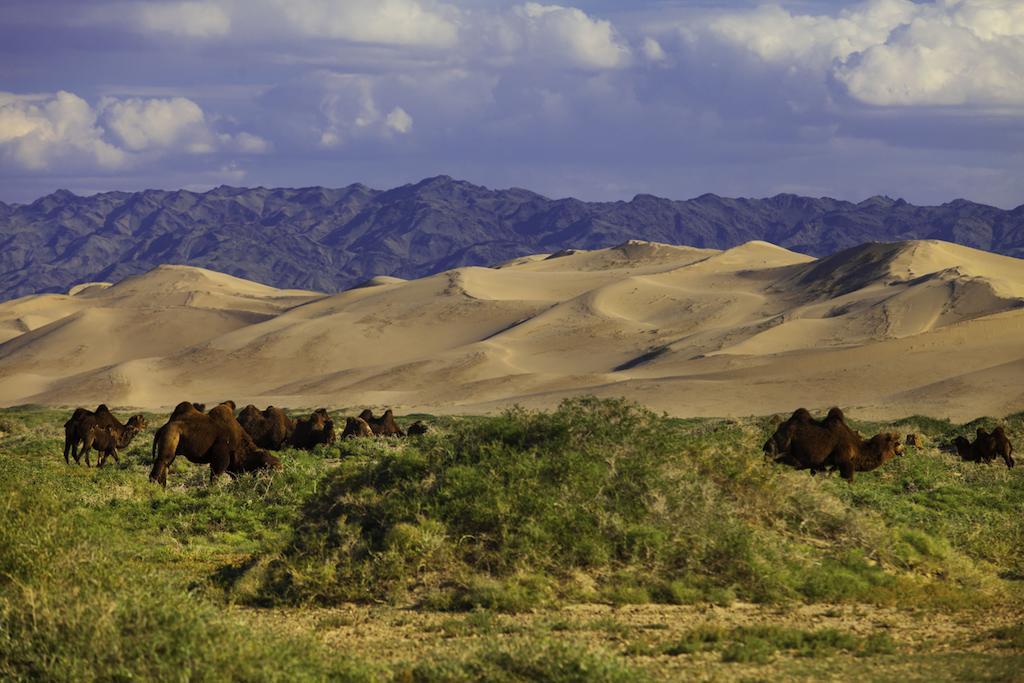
(329, 239)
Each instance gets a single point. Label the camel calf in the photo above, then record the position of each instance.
(106, 440)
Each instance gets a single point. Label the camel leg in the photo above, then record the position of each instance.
(106, 454)
(158, 475)
(160, 466)
(86, 447)
(220, 458)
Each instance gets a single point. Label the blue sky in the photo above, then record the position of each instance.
(599, 99)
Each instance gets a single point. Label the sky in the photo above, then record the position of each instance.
(599, 99)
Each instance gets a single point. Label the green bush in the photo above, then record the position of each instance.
(604, 500)
(69, 611)
(542, 660)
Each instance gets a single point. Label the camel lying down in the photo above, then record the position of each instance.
(819, 445)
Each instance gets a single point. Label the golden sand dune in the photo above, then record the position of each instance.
(881, 329)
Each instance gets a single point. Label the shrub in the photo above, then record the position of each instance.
(600, 500)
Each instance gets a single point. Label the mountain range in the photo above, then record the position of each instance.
(330, 239)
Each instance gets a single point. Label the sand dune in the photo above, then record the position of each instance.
(881, 329)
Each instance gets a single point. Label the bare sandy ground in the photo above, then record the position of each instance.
(883, 330)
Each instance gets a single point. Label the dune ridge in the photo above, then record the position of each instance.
(884, 329)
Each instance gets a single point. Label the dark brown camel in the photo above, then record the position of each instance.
(384, 425)
(215, 438)
(805, 443)
(270, 428)
(867, 455)
(106, 441)
(417, 428)
(356, 427)
(82, 420)
(314, 430)
(818, 445)
(986, 447)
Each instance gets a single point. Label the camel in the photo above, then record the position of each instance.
(82, 420)
(1003, 447)
(106, 440)
(356, 427)
(867, 455)
(417, 428)
(965, 449)
(384, 425)
(805, 443)
(270, 428)
(986, 447)
(214, 438)
(314, 430)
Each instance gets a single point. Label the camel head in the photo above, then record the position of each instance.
(889, 444)
(130, 432)
(780, 441)
(259, 459)
(963, 447)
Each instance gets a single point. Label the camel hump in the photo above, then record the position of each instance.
(834, 413)
(801, 415)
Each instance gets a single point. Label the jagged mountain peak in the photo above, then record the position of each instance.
(329, 239)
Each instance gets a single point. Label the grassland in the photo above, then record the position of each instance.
(596, 542)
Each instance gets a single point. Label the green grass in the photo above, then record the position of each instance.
(598, 501)
(532, 660)
(72, 610)
(605, 501)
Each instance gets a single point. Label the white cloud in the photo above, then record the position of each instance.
(894, 52)
(383, 22)
(349, 111)
(389, 22)
(773, 34)
(653, 50)
(140, 124)
(247, 143)
(399, 120)
(39, 131)
(568, 34)
(970, 55)
(192, 19)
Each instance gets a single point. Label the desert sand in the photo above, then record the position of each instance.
(883, 330)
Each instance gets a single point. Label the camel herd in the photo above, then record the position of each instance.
(227, 444)
(233, 445)
(830, 444)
